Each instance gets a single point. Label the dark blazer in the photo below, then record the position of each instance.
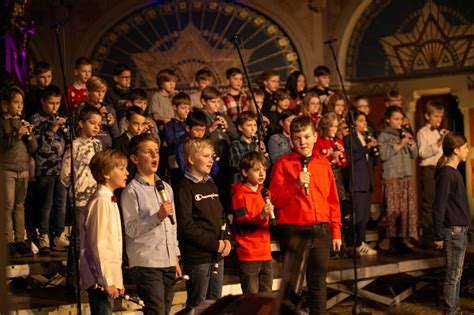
(363, 167)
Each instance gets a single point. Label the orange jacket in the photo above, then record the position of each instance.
(292, 206)
(251, 233)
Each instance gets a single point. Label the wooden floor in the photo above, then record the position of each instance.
(340, 270)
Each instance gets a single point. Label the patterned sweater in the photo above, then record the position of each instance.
(51, 145)
(85, 184)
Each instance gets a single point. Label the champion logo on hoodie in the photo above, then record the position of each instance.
(200, 197)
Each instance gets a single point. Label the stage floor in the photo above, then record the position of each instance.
(22, 272)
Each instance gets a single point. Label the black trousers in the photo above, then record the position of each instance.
(155, 286)
(428, 191)
(362, 201)
(316, 241)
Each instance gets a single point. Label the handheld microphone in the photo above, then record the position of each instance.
(304, 165)
(164, 197)
(266, 196)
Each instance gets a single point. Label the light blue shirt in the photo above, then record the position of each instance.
(149, 242)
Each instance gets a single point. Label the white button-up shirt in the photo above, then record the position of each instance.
(101, 242)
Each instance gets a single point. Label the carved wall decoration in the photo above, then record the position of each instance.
(423, 38)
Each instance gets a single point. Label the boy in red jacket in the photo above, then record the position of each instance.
(251, 221)
(307, 207)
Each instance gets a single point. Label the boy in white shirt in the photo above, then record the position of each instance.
(101, 235)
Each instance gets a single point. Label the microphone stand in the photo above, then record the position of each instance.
(74, 250)
(350, 123)
(261, 133)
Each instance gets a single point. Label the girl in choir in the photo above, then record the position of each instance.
(296, 84)
(397, 150)
(337, 104)
(17, 144)
(281, 103)
(331, 146)
(451, 215)
(312, 108)
(362, 158)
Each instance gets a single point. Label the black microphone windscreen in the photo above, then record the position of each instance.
(265, 193)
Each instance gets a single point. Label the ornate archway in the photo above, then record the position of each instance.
(189, 35)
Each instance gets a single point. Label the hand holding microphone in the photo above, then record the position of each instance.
(268, 208)
(166, 209)
(304, 177)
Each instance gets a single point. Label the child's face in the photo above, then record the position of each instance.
(344, 128)
(314, 105)
(196, 132)
(284, 104)
(333, 128)
(202, 162)
(236, 81)
(136, 124)
(273, 83)
(248, 129)
(44, 79)
(212, 105)
(182, 111)
(15, 107)
(117, 178)
(168, 86)
(51, 105)
(435, 118)
(303, 141)
(462, 152)
(339, 107)
(83, 73)
(363, 106)
(203, 83)
(256, 175)
(147, 158)
(97, 96)
(323, 80)
(124, 80)
(259, 100)
(91, 127)
(396, 120)
(361, 124)
(141, 102)
(300, 83)
(286, 124)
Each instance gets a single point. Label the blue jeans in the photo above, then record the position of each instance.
(201, 278)
(53, 202)
(455, 243)
(99, 302)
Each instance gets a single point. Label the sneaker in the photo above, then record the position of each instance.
(365, 250)
(24, 248)
(60, 243)
(12, 251)
(44, 244)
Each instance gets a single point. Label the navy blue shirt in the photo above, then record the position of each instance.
(450, 207)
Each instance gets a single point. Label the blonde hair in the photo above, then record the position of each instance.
(103, 162)
(192, 146)
(96, 84)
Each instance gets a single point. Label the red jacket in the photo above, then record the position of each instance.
(251, 233)
(324, 145)
(292, 206)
